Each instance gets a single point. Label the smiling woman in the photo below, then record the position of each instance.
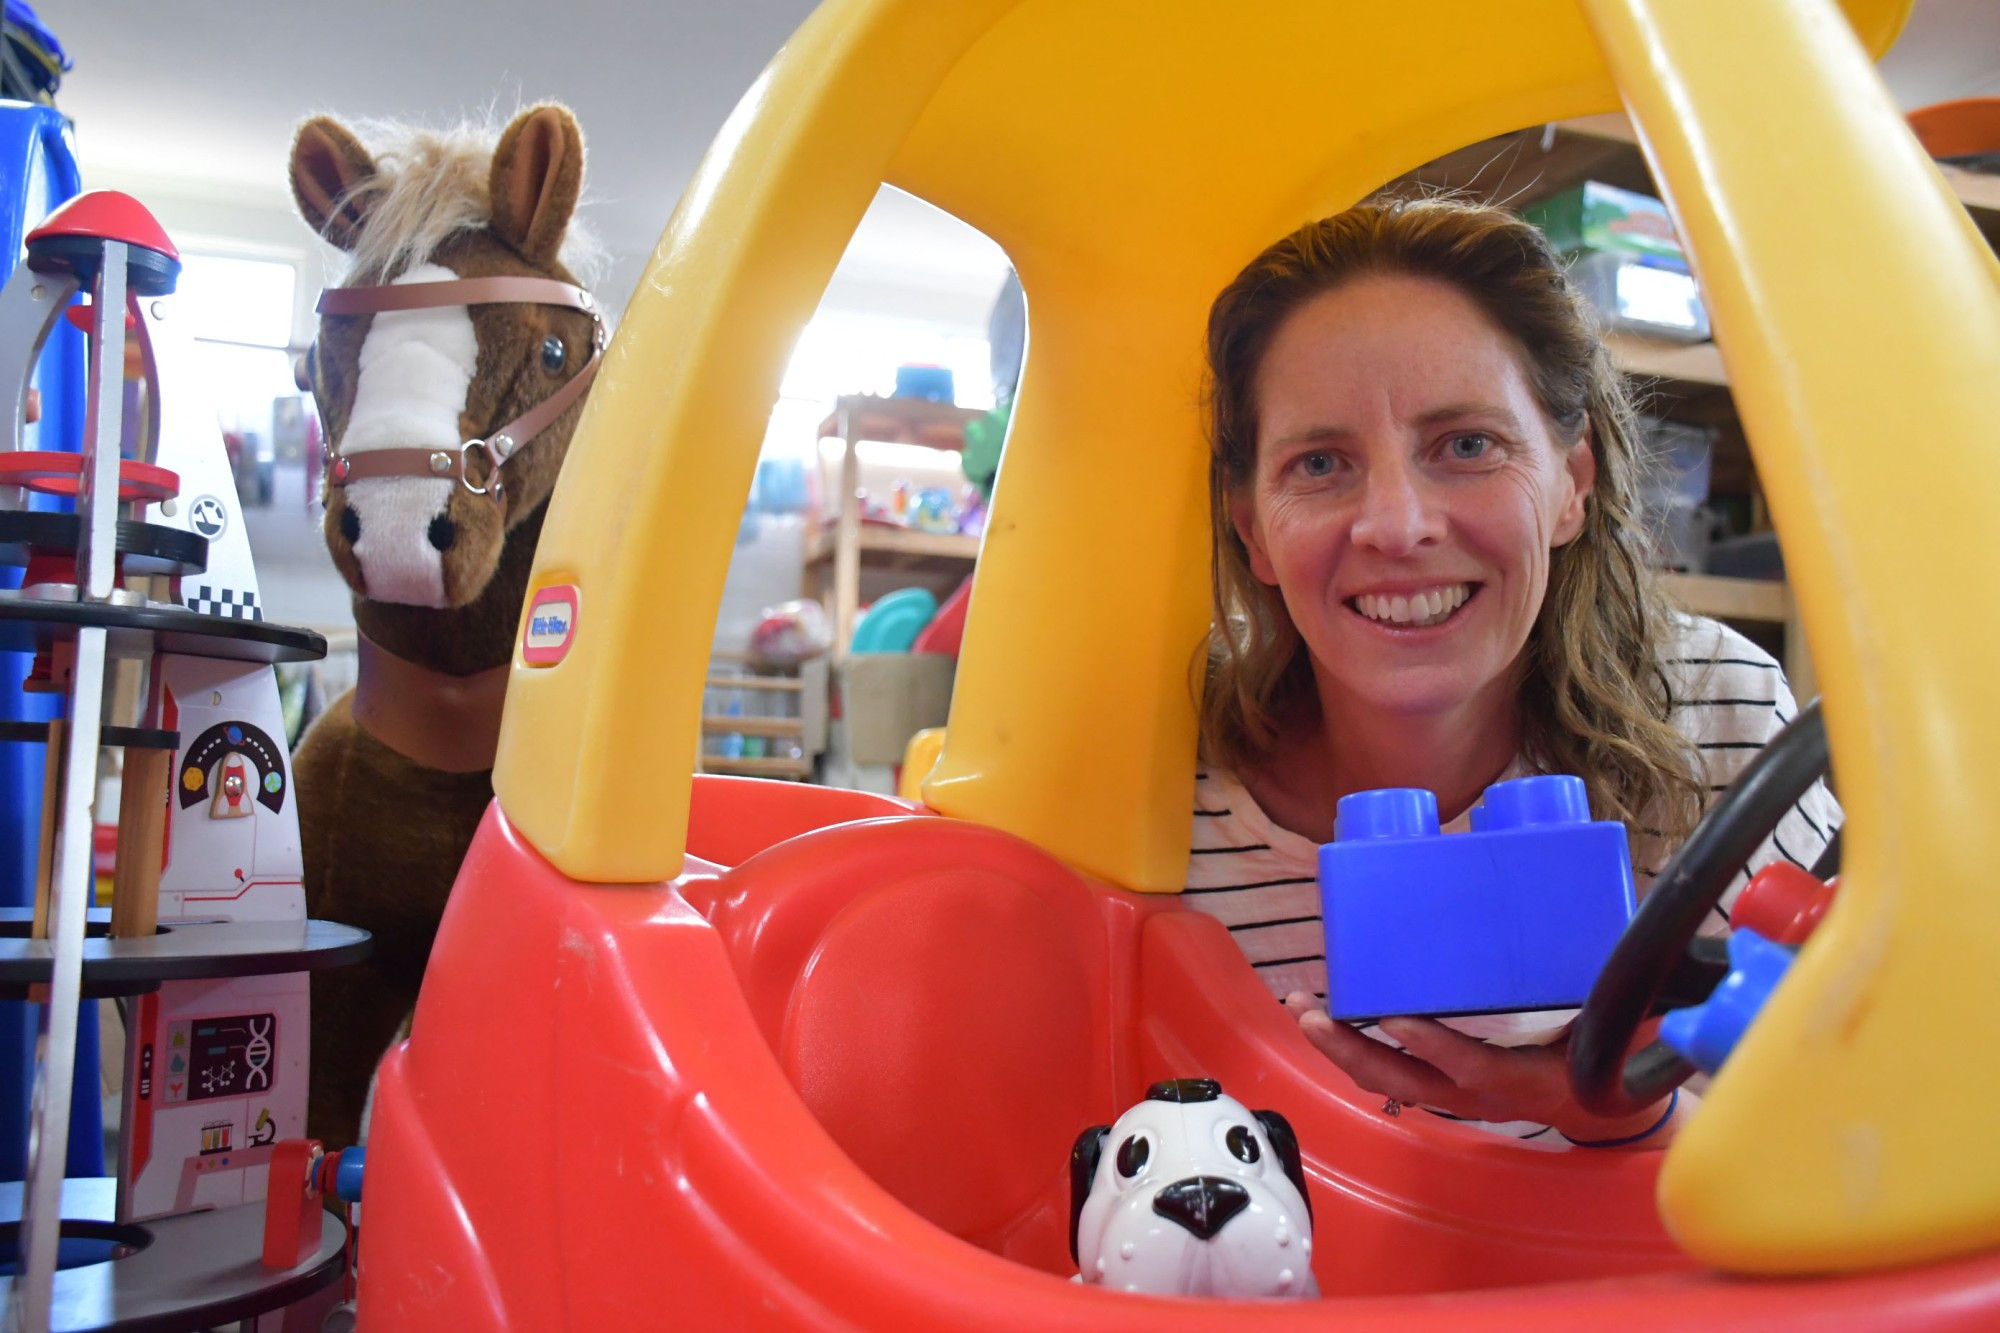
(1428, 573)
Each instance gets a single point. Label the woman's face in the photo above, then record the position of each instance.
(1407, 494)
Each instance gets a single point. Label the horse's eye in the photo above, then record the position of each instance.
(1132, 1155)
(553, 354)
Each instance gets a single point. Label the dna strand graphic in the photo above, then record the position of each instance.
(257, 1053)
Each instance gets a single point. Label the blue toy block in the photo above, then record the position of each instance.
(1706, 1033)
(1518, 914)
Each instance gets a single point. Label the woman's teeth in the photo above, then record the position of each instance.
(1417, 610)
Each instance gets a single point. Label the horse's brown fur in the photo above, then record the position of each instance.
(383, 836)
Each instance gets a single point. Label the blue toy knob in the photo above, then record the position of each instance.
(347, 1175)
(1388, 812)
(1706, 1033)
(1554, 798)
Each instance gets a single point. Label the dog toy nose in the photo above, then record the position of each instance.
(1201, 1205)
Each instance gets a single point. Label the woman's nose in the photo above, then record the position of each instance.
(1398, 513)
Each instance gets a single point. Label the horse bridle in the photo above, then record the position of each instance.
(499, 445)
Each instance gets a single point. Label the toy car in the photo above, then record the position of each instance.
(721, 1053)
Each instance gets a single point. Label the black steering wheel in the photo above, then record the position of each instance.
(1658, 958)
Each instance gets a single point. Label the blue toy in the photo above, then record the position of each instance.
(1706, 1033)
(892, 624)
(1518, 914)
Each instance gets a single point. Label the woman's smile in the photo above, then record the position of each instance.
(1407, 611)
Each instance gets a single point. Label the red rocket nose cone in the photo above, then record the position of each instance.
(71, 241)
(108, 215)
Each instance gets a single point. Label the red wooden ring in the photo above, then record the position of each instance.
(53, 472)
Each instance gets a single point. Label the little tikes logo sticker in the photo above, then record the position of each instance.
(550, 626)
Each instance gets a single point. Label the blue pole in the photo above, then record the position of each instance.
(37, 173)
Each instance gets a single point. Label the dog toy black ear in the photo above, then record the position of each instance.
(1286, 1145)
(1184, 1091)
(1082, 1170)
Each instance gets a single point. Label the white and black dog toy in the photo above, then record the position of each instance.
(1192, 1194)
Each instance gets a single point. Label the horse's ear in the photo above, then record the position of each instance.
(328, 162)
(537, 176)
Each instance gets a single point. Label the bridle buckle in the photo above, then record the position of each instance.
(493, 486)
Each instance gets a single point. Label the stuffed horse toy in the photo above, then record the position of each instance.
(449, 370)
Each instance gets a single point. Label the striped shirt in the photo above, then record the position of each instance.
(1262, 881)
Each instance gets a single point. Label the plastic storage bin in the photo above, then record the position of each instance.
(1652, 296)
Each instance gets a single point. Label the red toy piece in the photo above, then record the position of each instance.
(1783, 903)
(52, 472)
(834, 1078)
(292, 1204)
(107, 215)
(80, 317)
(947, 627)
(72, 241)
(1967, 128)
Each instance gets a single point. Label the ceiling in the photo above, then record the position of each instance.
(197, 101)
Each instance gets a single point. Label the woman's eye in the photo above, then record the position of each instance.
(1466, 448)
(1316, 465)
(553, 354)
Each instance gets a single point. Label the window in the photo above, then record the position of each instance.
(241, 312)
(243, 301)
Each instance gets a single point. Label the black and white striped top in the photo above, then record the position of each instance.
(1262, 881)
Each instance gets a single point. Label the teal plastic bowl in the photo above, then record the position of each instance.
(892, 624)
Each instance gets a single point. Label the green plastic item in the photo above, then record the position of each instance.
(1594, 216)
(892, 624)
(980, 456)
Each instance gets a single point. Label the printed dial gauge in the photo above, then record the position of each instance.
(199, 765)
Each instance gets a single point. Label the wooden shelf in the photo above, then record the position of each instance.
(1729, 599)
(899, 421)
(1687, 363)
(1977, 190)
(876, 539)
(716, 724)
(757, 768)
(1569, 163)
(754, 683)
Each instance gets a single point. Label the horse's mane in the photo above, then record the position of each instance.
(429, 185)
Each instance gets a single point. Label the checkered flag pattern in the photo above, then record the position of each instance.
(225, 602)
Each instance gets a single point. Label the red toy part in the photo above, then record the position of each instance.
(292, 1204)
(717, 832)
(107, 215)
(103, 849)
(834, 1083)
(1963, 128)
(80, 316)
(52, 472)
(1782, 903)
(947, 627)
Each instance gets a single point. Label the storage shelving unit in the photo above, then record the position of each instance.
(777, 709)
(1680, 381)
(841, 544)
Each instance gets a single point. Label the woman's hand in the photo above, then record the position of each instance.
(1453, 1072)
